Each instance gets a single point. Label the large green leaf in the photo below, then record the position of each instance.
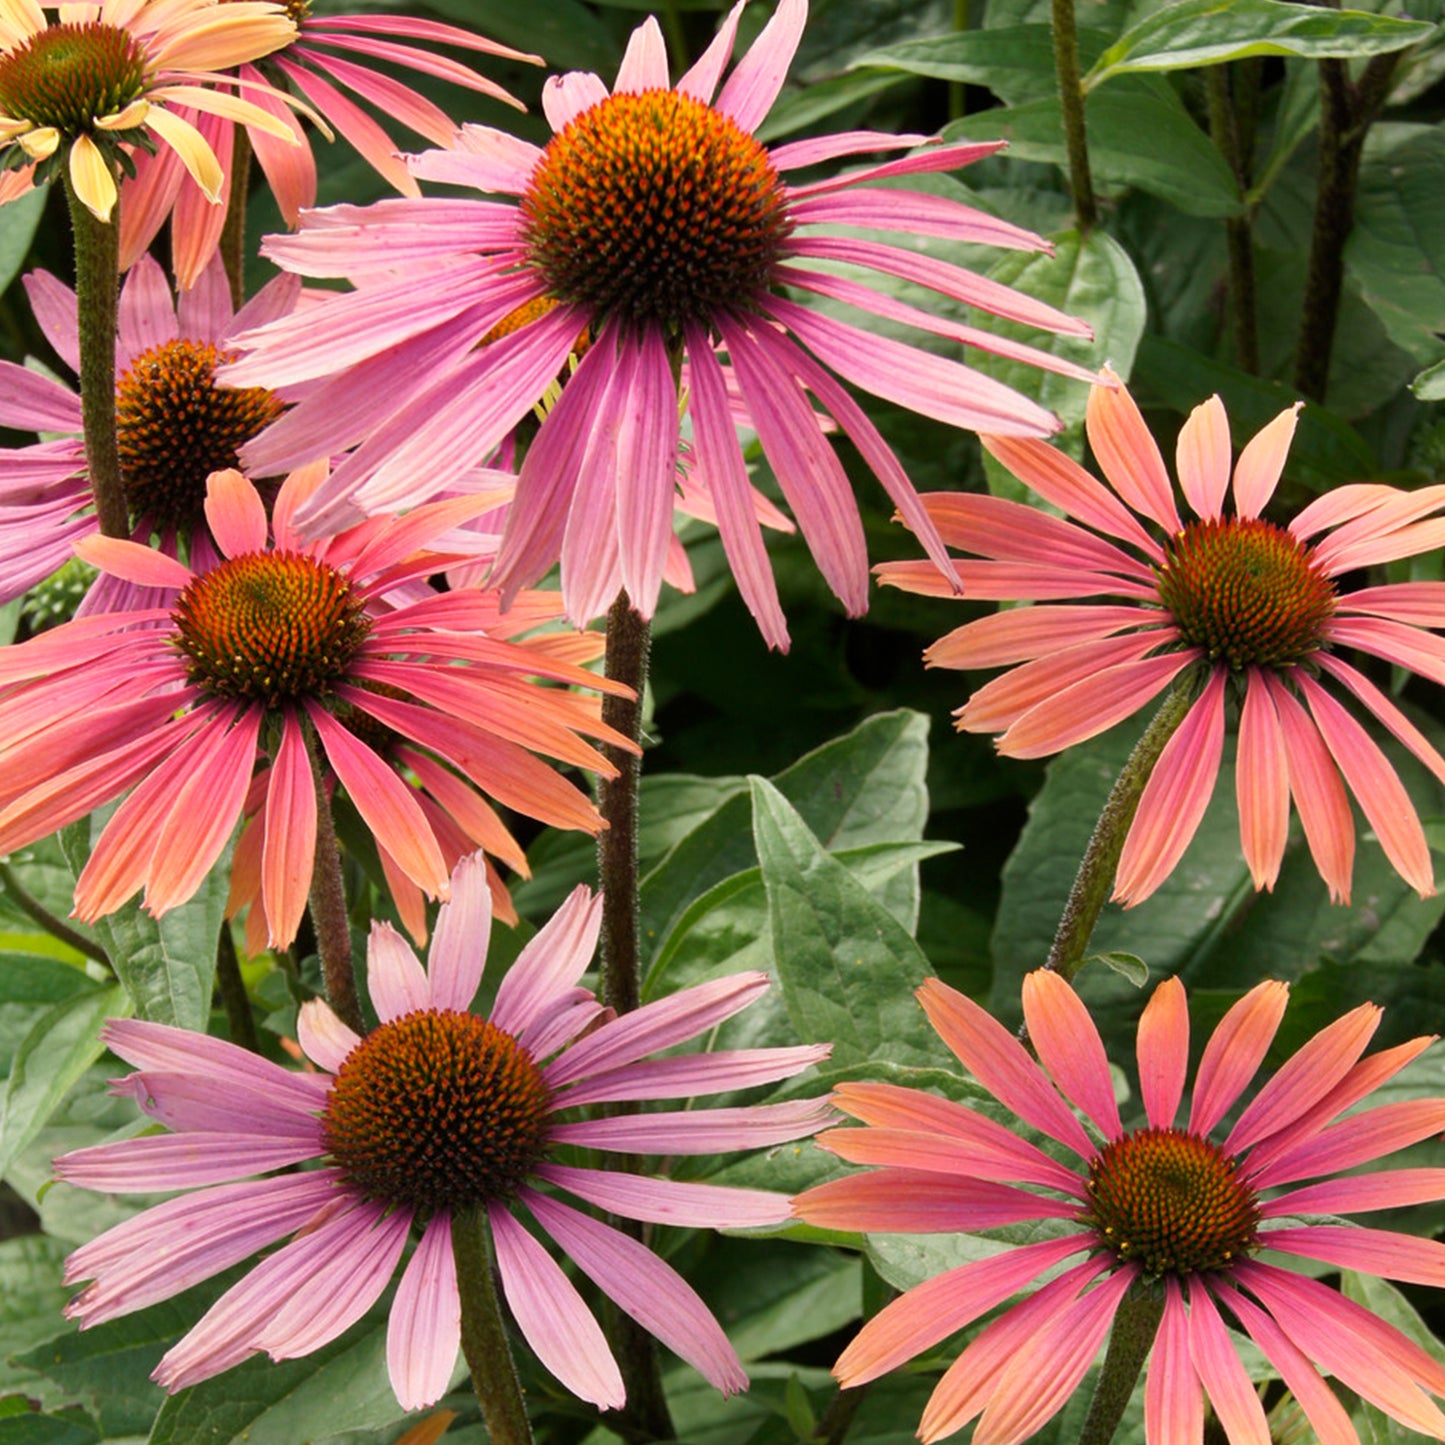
(58, 1048)
(28, 986)
(1016, 62)
(846, 965)
(167, 964)
(1179, 164)
(18, 223)
(1209, 32)
(31, 1299)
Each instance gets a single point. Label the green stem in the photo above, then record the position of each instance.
(837, 1419)
(1136, 1322)
(232, 988)
(97, 291)
(328, 904)
(1071, 99)
(1095, 878)
(35, 910)
(233, 233)
(484, 1336)
(676, 34)
(1239, 230)
(957, 91)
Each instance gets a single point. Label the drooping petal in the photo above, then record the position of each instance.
(290, 836)
(1262, 784)
(424, 1330)
(1173, 1400)
(1218, 1366)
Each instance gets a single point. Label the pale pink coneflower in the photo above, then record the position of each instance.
(1156, 1209)
(174, 425)
(435, 1114)
(1255, 608)
(243, 658)
(662, 227)
(160, 187)
(78, 89)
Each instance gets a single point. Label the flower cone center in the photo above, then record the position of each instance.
(437, 1110)
(1245, 591)
(269, 626)
(656, 207)
(1171, 1202)
(175, 426)
(67, 76)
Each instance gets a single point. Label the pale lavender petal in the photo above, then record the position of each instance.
(565, 97)
(424, 1330)
(657, 1025)
(817, 149)
(644, 63)
(54, 306)
(187, 1104)
(666, 1201)
(204, 311)
(179, 1161)
(951, 157)
(642, 1286)
(758, 77)
(458, 951)
(551, 963)
(325, 1039)
(698, 1131)
(32, 402)
(146, 316)
(555, 1027)
(395, 977)
(691, 1074)
(591, 570)
(702, 80)
(552, 1316)
(646, 462)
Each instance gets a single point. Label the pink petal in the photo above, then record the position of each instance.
(146, 316)
(424, 1329)
(668, 1201)
(1384, 1252)
(565, 97)
(1223, 1377)
(459, 946)
(646, 462)
(1256, 474)
(132, 562)
(290, 838)
(1173, 1401)
(1162, 1046)
(685, 1075)
(1386, 711)
(1360, 1193)
(32, 402)
(644, 64)
(1001, 1064)
(323, 1036)
(54, 305)
(702, 80)
(180, 1161)
(758, 77)
(551, 963)
(698, 1131)
(235, 513)
(1235, 1050)
(1129, 455)
(396, 980)
(1356, 1140)
(1070, 1048)
(1262, 784)
(645, 1288)
(1203, 458)
(552, 1316)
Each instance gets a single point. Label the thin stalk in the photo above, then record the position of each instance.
(837, 1419)
(97, 291)
(35, 910)
(957, 90)
(232, 988)
(1136, 1322)
(676, 34)
(1239, 230)
(233, 233)
(484, 1336)
(1071, 99)
(328, 904)
(1095, 878)
(1347, 110)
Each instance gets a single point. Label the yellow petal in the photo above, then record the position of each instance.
(232, 34)
(38, 144)
(232, 108)
(190, 145)
(127, 119)
(23, 16)
(91, 175)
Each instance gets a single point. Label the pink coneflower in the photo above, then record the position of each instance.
(1255, 609)
(174, 425)
(99, 77)
(437, 1113)
(658, 222)
(1155, 1208)
(249, 655)
(304, 65)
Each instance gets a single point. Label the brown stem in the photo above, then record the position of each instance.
(484, 1336)
(1239, 230)
(233, 233)
(1095, 878)
(97, 291)
(232, 988)
(1347, 110)
(328, 904)
(1071, 99)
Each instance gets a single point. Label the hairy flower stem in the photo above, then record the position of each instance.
(484, 1336)
(1071, 99)
(232, 988)
(1225, 129)
(1135, 1325)
(32, 908)
(233, 233)
(97, 292)
(328, 905)
(1095, 878)
(1347, 110)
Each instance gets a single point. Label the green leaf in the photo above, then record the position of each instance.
(1430, 384)
(567, 34)
(28, 986)
(342, 1386)
(31, 1300)
(1016, 62)
(1210, 32)
(59, 1047)
(167, 964)
(846, 965)
(45, 1430)
(1179, 164)
(19, 221)
(1126, 965)
(800, 108)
